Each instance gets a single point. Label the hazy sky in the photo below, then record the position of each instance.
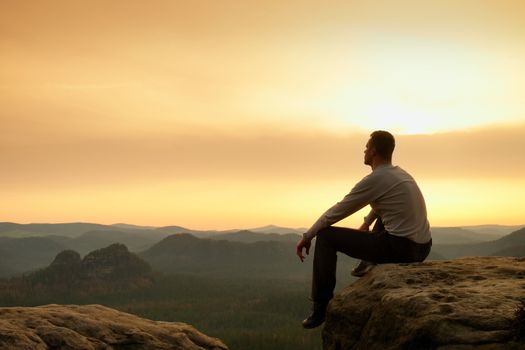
(234, 114)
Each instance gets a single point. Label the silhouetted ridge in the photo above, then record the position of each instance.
(516, 251)
(179, 241)
(500, 246)
(184, 253)
(515, 244)
(66, 229)
(9, 226)
(66, 258)
(108, 269)
(248, 236)
(112, 262)
(133, 239)
(514, 237)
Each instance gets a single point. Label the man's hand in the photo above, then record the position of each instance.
(300, 245)
(364, 227)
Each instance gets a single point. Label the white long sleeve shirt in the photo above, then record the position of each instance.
(394, 197)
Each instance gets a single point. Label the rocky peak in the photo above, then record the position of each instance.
(114, 261)
(469, 303)
(66, 258)
(108, 269)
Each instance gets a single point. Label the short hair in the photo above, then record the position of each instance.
(383, 142)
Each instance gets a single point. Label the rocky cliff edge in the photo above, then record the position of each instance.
(470, 303)
(93, 327)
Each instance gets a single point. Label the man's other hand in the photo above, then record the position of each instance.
(302, 244)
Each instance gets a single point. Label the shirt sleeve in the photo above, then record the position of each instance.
(360, 196)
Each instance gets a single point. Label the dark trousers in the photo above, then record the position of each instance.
(377, 246)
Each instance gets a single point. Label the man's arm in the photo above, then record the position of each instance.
(338, 212)
(359, 196)
(304, 244)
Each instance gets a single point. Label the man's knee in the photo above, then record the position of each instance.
(323, 236)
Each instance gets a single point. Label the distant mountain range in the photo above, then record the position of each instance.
(27, 247)
(73, 230)
(461, 235)
(9, 229)
(512, 244)
(248, 236)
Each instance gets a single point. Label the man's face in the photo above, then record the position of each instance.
(369, 153)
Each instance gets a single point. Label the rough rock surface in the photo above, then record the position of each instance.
(468, 303)
(93, 327)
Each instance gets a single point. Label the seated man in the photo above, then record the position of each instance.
(403, 236)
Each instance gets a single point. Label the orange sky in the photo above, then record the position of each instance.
(238, 114)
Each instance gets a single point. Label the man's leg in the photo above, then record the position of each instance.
(358, 244)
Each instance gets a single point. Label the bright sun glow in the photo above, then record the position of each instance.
(413, 88)
(399, 119)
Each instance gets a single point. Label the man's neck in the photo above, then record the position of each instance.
(377, 162)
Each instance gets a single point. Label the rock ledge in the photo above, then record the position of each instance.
(461, 304)
(94, 327)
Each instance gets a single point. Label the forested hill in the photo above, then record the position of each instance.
(107, 270)
(510, 245)
(184, 253)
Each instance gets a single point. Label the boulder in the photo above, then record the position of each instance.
(93, 327)
(468, 303)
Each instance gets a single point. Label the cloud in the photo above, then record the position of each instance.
(483, 153)
(263, 155)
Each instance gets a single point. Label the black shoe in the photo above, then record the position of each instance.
(363, 268)
(316, 318)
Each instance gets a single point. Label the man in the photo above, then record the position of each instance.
(401, 233)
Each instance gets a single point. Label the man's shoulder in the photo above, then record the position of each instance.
(373, 179)
(389, 175)
(381, 175)
(386, 170)
(396, 170)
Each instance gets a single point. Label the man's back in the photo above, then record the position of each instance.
(399, 203)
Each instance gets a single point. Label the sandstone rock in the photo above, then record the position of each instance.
(467, 303)
(105, 270)
(94, 327)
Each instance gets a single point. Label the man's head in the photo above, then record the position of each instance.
(380, 146)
